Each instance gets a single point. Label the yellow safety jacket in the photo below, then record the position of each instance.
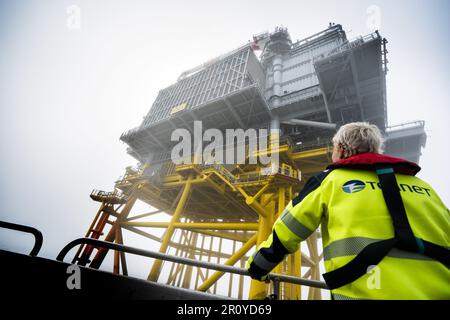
(348, 202)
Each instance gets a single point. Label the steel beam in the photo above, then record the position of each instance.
(156, 268)
(230, 262)
(308, 123)
(195, 225)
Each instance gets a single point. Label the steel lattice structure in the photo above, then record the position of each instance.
(220, 212)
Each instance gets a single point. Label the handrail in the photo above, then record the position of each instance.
(208, 265)
(35, 232)
(348, 45)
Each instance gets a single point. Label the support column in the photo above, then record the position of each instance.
(293, 269)
(156, 268)
(188, 274)
(297, 294)
(197, 277)
(258, 289)
(281, 206)
(314, 293)
(277, 65)
(274, 132)
(230, 283)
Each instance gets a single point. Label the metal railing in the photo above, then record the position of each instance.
(349, 45)
(35, 232)
(315, 144)
(107, 194)
(274, 277)
(317, 35)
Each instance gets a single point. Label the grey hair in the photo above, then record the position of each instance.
(358, 137)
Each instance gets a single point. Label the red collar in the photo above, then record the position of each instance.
(368, 161)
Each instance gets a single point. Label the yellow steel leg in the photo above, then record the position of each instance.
(288, 286)
(218, 262)
(241, 282)
(258, 289)
(230, 283)
(314, 293)
(292, 290)
(188, 273)
(281, 206)
(199, 259)
(281, 201)
(297, 290)
(156, 268)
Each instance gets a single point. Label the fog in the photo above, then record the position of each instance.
(68, 91)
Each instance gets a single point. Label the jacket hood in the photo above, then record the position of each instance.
(369, 161)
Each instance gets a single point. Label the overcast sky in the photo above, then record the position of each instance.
(66, 94)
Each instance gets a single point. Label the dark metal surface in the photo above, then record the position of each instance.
(191, 262)
(31, 278)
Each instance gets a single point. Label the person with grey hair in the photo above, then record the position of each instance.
(355, 138)
(385, 232)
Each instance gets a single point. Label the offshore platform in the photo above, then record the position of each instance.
(301, 91)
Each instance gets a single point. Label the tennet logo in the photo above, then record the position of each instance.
(353, 186)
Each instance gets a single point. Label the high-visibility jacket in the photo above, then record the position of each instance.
(348, 203)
